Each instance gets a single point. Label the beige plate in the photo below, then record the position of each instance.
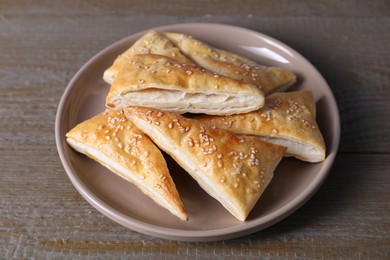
(294, 182)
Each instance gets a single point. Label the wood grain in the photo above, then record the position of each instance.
(44, 43)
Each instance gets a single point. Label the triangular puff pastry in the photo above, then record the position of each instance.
(234, 170)
(287, 119)
(156, 81)
(151, 42)
(268, 79)
(113, 141)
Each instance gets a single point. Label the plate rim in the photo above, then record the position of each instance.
(196, 235)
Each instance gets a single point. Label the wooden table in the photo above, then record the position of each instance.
(44, 43)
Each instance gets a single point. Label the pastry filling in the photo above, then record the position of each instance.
(179, 101)
(299, 150)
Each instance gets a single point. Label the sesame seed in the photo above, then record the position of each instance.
(189, 72)
(128, 127)
(133, 163)
(100, 127)
(108, 137)
(219, 156)
(168, 70)
(106, 131)
(173, 54)
(232, 153)
(236, 185)
(141, 81)
(170, 125)
(266, 115)
(120, 145)
(220, 165)
(146, 154)
(275, 131)
(157, 123)
(127, 148)
(159, 114)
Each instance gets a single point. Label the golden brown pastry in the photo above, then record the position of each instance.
(112, 140)
(151, 42)
(156, 81)
(234, 170)
(268, 79)
(287, 119)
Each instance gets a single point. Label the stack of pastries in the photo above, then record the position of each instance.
(242, 122)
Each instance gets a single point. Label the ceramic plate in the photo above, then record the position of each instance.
(294, 181)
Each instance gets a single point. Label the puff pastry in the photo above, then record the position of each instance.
(151, 42)
(113, 141)
(234, 170)
(287, 119)
(156, 81)
(268, 79)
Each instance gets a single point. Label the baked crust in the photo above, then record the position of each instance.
(151, 42)
(115, 142)
(234, 170)
(287, 119)
(268, 79)
(157, 81)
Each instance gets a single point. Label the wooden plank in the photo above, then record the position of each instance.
(360, 79)
(44, 216)
(202, 8)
